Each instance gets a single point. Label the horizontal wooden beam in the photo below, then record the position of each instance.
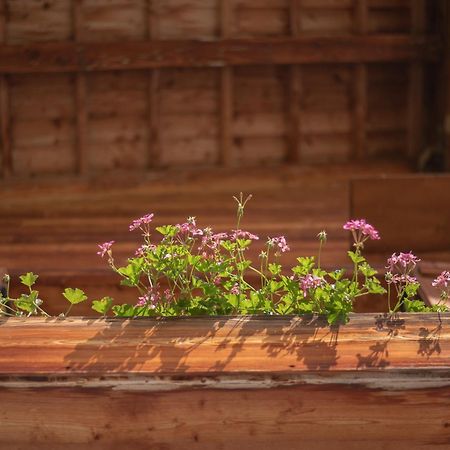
(76, 57)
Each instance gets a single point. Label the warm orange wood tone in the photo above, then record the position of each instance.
(279, 382)
(96, 86)
(410, 211)
(54, 230)
(66, 57)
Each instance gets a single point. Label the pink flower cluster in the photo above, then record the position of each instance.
(212, 241)
(279, 243)
(365, 229)
(310, 281)
(153, 297)
(144, 248)
(241, 234)
(400, 266)
(189, 228)
(105, 248)
(402, 262)
(442, 281)
(235, 289)
(138, 223)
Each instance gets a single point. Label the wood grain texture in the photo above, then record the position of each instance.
(68, 56)
(253, 347)
(279, 382)
(407, 210)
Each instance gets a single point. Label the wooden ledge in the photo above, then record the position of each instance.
(76, 57)
(226, 352)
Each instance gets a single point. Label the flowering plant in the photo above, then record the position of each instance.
(189, 270)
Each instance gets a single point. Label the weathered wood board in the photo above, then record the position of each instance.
(279, 382)
(95, 86)
(410, 211)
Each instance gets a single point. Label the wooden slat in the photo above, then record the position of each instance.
(416, 87)
(154, 149)
(69, 56)
(5, 125)
(408, 211)
(294, 91)
(360, 86)
(78, 348)
(226, 157)
(5, 128)
(308, 416)
(81, 163)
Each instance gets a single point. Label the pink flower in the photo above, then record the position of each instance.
(190, 228)
(400, 279)
(280, 243)
(402, 262)
(442, 281)
(365, 229)
(309, 282)
(144, 220)
(105, 248)
(235, 289)
(168, 295)
(150, 299)
(212, 241)
(241, 234)
(144, 248)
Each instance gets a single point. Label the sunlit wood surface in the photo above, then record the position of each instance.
(226, 383)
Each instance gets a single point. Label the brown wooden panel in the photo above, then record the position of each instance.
(409, 211)
(315, 417)
(63, 57)
(79, 347)
(37, 21)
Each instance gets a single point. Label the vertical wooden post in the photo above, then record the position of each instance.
(360, 88)
(226, 157)
(5, 121)
(81, 160)
(445, 10)
(415, 88)
(154, 151)
(294, 149)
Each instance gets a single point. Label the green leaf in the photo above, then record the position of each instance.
(274, 268)
(366, 270)
(355, 257)
(102, 306)
(27, 302)
(167, 230)
(28, 279)
(127, 310)
(374, 287)
(74, 296)
(131, 272)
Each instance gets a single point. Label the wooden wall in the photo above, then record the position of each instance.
(93, 86)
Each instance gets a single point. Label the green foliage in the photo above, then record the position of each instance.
(189, 270)
(28, 279)
(103, 305)
(74, 296)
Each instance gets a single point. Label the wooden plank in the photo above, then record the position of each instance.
(295, 87)
(216, 346)
(408, 211)
(287, 418)
(70, 56)
(5, 131)
(226, 157)
(81, 162)
(360, 86)
(81, 157)
(5, 128)
(416, 87)
(153, 103)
